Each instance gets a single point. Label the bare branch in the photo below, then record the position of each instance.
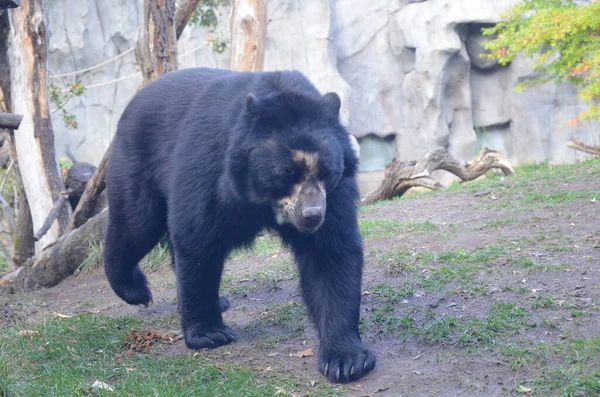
(576, 144)
(185, 9)
(401, 176)
(52, 216)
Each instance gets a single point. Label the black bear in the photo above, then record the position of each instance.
(211, 157)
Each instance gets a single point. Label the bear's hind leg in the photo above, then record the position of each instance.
(130, 236)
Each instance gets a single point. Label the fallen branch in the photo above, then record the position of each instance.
(399, 176)
(576, 144)
(61, 258)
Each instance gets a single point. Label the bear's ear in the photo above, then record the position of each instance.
(333, 102)
(252, 103)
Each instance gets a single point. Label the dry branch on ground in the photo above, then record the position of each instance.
(399, 176)
(61, 258)
(576, 144)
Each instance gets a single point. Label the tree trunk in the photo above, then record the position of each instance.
(42, 180)
(248, 34)
(23, 246)
(156, 47)
(400, 176)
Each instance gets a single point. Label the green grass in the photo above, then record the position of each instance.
(94, 258)
(503, 319)
(392, 295)
(565, 368)
(5, 264)
(388, 227)
(397, 262)
(278, 323)
(530, 265)
(65, 356)
(551, 199)
(158, 258)
(543, 302)
(269, 277)
(265, 245)
(497, 223)
(433, 271)
(383, 322)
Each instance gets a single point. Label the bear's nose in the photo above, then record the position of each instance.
(312, 212)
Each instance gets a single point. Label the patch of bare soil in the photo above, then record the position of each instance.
(544, 258)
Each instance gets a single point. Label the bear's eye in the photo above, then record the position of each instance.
(290, 175)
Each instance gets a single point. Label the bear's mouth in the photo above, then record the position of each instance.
(304, 207)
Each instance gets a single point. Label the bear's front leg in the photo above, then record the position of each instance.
(198, 268)
(330, 265)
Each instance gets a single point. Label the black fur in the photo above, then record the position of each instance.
(203, 154)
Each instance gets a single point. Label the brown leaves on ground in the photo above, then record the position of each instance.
(305, 353)
(141, 341)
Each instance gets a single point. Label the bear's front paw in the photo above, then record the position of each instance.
(346, 364)
(208, 337)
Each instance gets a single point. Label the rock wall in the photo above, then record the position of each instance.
(409, 74)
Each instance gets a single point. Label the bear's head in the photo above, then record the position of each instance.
(295, 151)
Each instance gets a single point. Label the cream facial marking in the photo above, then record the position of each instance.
(310, 160)
(285, 207)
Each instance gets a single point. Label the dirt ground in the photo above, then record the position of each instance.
(545, 259)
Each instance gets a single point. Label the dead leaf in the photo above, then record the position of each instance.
(523, 389)
(305, 353)
(102, 386)
(62, 315)
(357, 387)
(27, 332)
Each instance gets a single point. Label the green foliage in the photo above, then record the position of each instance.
(563, 36)
(64, 163)
(206, 15)
(60, 95)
